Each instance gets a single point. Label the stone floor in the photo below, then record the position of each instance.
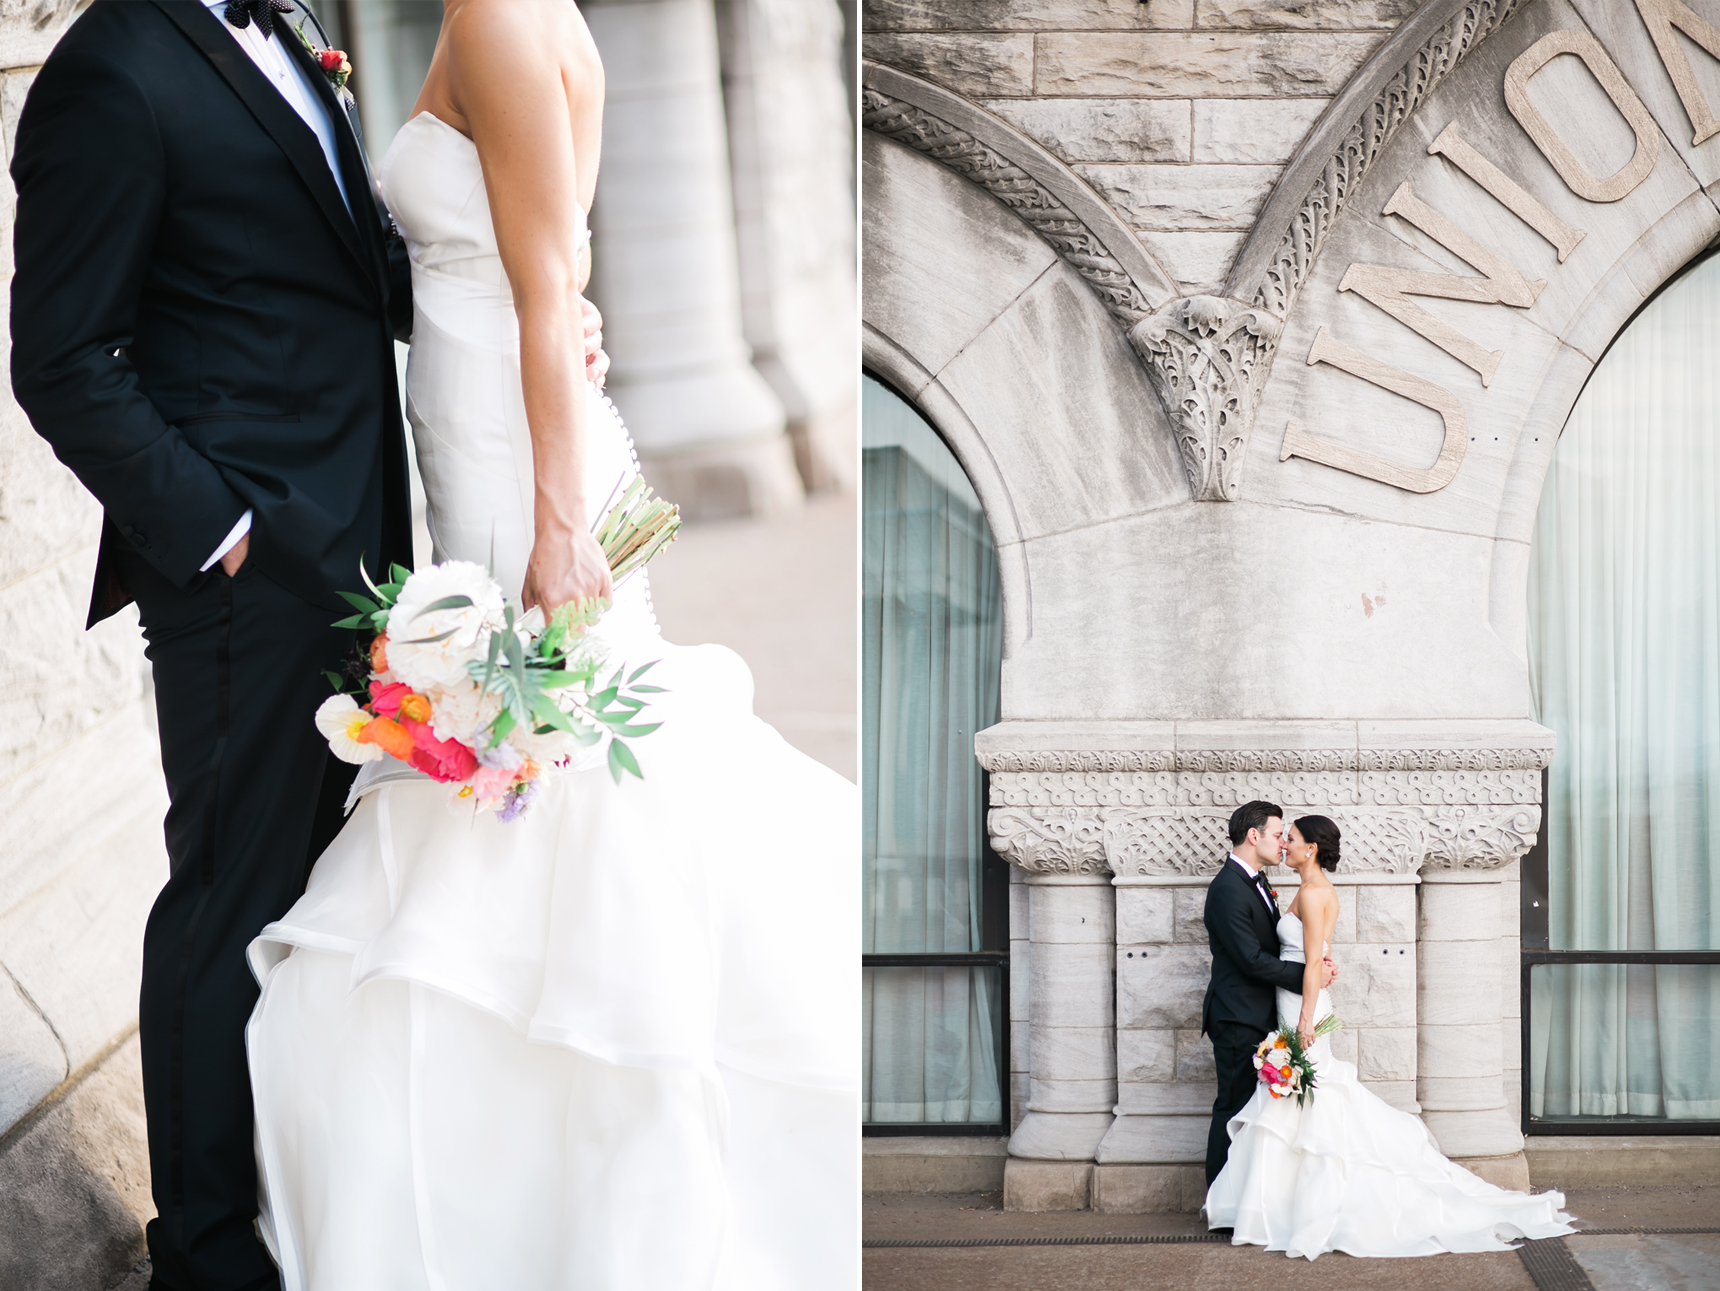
(783, 593)
(1622, 1262)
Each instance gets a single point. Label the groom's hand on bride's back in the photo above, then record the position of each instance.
(1331, 973)
(596, 361)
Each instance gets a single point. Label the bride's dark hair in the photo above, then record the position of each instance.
(1325, 835)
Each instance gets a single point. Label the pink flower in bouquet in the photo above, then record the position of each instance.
(385, 698)
(444, 760)
(491, 783)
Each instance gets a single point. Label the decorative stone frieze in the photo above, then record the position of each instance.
(1206, 356)
(1164, 812)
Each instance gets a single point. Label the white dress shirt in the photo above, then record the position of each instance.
(282, 71)
(1250, 871)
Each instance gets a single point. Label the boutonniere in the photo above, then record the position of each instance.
(334, 62)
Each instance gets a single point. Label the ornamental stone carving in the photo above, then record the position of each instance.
(1206, 356)
(1164, 813)
(1371, 129)
(1031, 200)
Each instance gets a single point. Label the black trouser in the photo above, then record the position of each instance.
(254, 796)
(1233, 1046)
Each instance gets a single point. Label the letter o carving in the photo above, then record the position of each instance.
(1572, 171)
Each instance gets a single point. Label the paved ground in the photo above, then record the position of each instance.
(783, 594)
(1630, 1262)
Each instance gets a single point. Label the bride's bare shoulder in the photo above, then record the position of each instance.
(507, 37)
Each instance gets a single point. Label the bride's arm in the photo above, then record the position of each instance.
(1319, 916)
(508, 86)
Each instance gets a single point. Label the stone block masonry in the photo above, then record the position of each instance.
(1181, 113)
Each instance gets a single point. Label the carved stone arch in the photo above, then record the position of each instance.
(1048, 196)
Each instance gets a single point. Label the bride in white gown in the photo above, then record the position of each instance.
(1347, 1171)
(610, 1046)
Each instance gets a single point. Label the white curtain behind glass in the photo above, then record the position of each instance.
(1624, 644)
(932, 650)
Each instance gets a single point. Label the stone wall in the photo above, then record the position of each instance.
(1181, 113)
(82, 783)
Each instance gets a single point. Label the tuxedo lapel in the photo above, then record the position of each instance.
(349, 143)
(277, 118)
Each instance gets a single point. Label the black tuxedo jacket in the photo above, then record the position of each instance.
(1246, 970)
(199, 323)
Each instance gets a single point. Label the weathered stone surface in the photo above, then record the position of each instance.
(1111, 130)
(1386, 1053)
(1182, 198)
(1156, 1139)
(1447, 1053)
(1190, 915)
(1163, 986)
(1073, 1053)
(1144, 915)
(1046, 1185)
(1074, 982)
(1176, 1098)
(1376, 990)
(955, 260)
(1148, 1189)
(970, 63)
(1345, 1042)
(1385, 913)
(32, 1061)
(1199, 262)
(56, 680)
(1074, 915)
(14, 87)
(45, 513)
(1307, 15)
(1197, 64)
(934, 1163)
(77, 945)
(1074, 1097)
(29, 28)
(74, 1184)
(1250, 131)
(1024, 15)
(1459, 912)
(1195, 1059)
(1146, 1055)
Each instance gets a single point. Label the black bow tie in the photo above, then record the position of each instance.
(241, 12)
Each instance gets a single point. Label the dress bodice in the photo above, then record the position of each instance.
(1292, 951)
(1290, 947)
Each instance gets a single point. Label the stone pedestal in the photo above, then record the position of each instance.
(709, 429)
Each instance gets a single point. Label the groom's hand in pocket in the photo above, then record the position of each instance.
(235, 557)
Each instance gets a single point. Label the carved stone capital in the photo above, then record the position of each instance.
(1206, 357)
(1417, 806)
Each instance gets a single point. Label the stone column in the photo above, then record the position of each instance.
(1460, 1051)
(709, 429)
(792, 161)
(1072, 1043)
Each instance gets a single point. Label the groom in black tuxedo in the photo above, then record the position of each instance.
(203, 317)
(1241, 1000)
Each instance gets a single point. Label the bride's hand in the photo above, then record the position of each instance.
(1306, 1031)
(596, 359)
(565, 566)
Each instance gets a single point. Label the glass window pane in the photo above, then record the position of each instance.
(1624, 636)
(1624, 1040)
(934, 1046)
(932, 623)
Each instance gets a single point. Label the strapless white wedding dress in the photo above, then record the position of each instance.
(611, 1046)
(1349, 1172)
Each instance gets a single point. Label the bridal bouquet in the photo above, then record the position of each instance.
(1284, 1065)
(475, 696)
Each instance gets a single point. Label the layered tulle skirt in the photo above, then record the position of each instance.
(1349, 1172)
(610, 1046)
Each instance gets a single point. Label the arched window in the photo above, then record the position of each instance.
(934, 924)
(1624, 645)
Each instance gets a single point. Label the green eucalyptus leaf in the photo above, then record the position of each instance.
(359, 602)
(459, 602)
(356, 621)
(621, 759)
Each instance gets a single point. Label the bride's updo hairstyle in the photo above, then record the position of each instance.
(1324, 834)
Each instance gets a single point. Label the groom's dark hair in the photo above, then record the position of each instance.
(1251, 815)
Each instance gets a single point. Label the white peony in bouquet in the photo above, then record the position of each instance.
(481, 699)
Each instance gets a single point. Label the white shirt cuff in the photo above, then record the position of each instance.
(239, 531)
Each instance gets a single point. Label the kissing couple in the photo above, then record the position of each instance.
(1338, 1170)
